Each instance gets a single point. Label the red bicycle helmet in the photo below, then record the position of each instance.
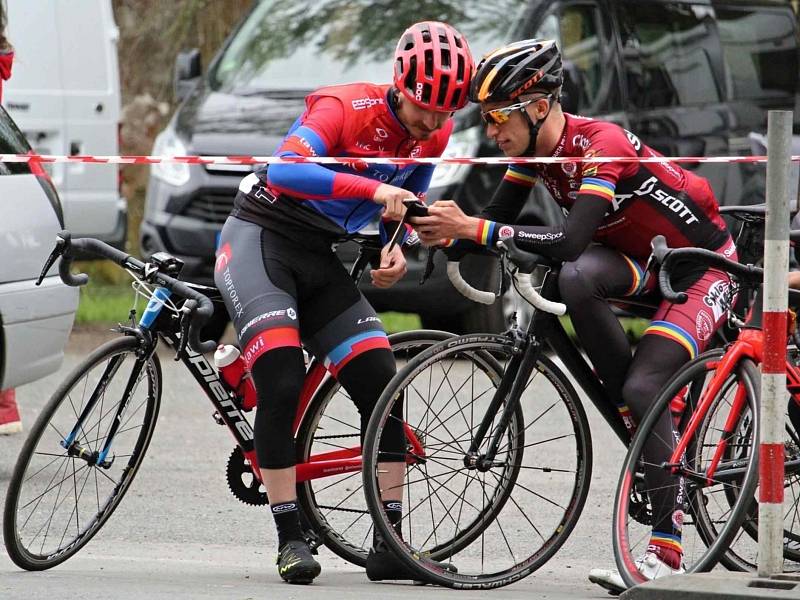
(433, 66)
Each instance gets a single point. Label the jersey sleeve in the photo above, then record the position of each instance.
(565, 241)
(316, 134)
(511, 195)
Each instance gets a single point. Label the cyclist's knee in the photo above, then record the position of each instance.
(638, 393)
(278, 376)
(575, 285)
(365, 376)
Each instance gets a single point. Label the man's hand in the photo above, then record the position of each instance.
(392, 199)
(392, 269)
(445, 220)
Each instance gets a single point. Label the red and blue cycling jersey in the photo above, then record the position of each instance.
(356, 120)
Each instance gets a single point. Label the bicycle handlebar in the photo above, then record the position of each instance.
(525, 263)
(198, 307)
(666, 257)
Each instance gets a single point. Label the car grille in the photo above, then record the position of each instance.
(211, 208)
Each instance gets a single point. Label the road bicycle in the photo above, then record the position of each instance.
(89, 441)
(713, 405)
(508, 445)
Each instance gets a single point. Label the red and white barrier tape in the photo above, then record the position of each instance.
(260, 160)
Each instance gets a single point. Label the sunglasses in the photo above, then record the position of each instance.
(498, 116)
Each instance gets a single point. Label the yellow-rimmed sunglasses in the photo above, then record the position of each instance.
(498, 116)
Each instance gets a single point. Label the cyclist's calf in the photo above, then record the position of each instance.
(364, 378)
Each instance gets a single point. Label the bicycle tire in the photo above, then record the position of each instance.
(469, 546)
(706, 546)
(21, 514)
(742, 554)
(348, 539)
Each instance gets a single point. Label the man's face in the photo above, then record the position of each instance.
(506, 125)
(421, 122)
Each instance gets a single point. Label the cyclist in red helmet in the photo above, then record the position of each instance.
(282, 281)
(613, 210)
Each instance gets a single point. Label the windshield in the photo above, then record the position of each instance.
(286, 46)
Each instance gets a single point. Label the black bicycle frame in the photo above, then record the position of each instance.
(528, 348)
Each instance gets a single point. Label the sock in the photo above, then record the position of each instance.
(667, 547)
(287, 520)
(394, 512)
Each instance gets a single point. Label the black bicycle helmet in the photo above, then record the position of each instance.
(510, 71)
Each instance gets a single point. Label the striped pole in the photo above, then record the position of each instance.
(773, 373)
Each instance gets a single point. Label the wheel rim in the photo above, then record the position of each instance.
(336, 504)
(62, 500)
(706, 519)
(493, 532)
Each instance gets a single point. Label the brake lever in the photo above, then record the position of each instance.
(429, 265)
(186, 312)
(61, 247)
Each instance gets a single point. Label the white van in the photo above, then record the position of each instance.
(64, 94)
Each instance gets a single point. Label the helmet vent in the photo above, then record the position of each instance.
(460, 69)
(429, 64)
(443, 87)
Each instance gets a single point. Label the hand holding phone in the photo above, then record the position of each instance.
(415, 208)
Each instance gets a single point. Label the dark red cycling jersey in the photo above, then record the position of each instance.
(356, 120)
(622, 205)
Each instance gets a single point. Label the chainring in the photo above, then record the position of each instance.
(242, 481)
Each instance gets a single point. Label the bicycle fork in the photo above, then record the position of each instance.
(520, 365)
(95, 457)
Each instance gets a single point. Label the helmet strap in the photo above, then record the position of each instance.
(393, 93)
(533, 128)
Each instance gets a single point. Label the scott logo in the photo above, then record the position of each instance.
(648, 188)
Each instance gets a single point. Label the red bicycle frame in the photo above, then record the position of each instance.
(344, 460)
(749, 344)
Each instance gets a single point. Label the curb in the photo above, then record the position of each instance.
(717, 586)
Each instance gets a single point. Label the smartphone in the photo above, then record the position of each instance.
(415, 208)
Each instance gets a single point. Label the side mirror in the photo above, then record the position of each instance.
(570, 89)
(188, 69)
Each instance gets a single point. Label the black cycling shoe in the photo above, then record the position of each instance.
(295, 563)
(383, 565)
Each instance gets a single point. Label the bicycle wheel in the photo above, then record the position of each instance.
(58, 497)
(334, 506)
(709, 520)
(496, 522)
(742, 554)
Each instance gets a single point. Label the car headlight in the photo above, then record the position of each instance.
(169, 144)
(462, 144)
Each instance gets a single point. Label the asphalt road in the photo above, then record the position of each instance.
(179, 533)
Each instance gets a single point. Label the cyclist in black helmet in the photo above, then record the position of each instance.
(613, 210)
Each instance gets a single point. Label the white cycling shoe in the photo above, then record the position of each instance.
(649, 565)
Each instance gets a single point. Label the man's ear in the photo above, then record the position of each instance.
(542, 106)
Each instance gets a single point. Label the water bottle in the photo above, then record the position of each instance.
(231, 366)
